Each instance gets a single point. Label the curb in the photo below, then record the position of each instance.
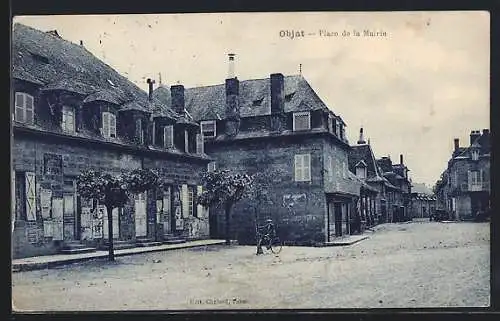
(343, 243)
(23, 267)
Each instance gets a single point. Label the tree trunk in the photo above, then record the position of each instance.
(111, 253)
(228, 223)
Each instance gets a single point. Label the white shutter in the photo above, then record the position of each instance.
(201, 209)
(307, 167)
(186, 141)
(168, 136)
(298, 167)
(105, 124)
(200, 148)
(30, 196)
(112, 125)
(185, 200)
(211, 167)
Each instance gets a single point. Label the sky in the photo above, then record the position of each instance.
(414, 88)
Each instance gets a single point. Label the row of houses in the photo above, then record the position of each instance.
(72, 112)
(463, 190)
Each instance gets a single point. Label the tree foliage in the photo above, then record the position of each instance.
(222, 187)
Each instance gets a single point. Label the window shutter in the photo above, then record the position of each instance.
(13, 198)
(112, 125)
(307, 167)
(200, 148)
(201, 209)
(154, 133)
(185, 200)
(30, 196)
(168, 136)
(186, 141)
(298, 167)
(19, 108)
(105, 124)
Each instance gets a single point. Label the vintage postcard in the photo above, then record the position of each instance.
(299, 160)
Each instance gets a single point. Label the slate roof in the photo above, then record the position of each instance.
(364, 153)
(418, 188)
(209, 102)
(47, 59)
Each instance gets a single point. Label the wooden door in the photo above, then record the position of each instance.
(338, 218)
(141, 222)
(69, 217)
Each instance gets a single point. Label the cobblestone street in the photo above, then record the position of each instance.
(425, 264)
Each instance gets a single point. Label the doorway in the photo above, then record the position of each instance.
(141, 223)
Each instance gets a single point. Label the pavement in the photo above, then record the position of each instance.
(48, 261)
(403, 265)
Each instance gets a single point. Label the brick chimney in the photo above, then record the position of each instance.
(277, 83)
(232, 106)
(456, 143)
(177, 94)
(474, 135)
(361, 138)
(150, 90)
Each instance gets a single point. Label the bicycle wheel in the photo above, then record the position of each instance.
(275, 245)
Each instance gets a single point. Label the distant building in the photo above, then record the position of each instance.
(464, 187)
(278, 126)
(423, 201)
(400, 187)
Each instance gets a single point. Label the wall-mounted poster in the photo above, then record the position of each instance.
(97, 222)
(48, 228)
(86, 223)
(45, 202)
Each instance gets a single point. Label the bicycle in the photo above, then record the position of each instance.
(269, 238)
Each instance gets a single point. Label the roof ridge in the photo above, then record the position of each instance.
(241, 81)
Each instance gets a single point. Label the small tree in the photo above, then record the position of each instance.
(224, 189)
(114, 191)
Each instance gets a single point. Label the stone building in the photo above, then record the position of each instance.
(423, 201)
(279, 127)
(362, 162)
(400, 188)
(464, 188)
(70, 112)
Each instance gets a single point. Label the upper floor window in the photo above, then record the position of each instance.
(168, 136)
(24, 108)
(200, 146)
(337, 128)
(302, 121)
(208, 128)
(361, 172)
(211, 167)
(302, 167)
(475, 154)
(186, 141)
(139, 132)
(68, 119)
(108, 124)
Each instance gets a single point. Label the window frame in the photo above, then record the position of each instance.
(363, 172)
(211, 167)
(301, 114)
(303, 167)
(170, 129)
(203, 123)
(475, 155)
(65, 111)
(107, 132)
(24, 107)
(139, 130)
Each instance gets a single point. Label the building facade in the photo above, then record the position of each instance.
(280, 128)
(463, 190)
(72, 112)
(423, 202)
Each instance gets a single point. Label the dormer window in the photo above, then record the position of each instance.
(301, 121)
(475, 154)
(24, 108)
(139, 132)
(257, 102)
(209, 128)
(68, 119)
(361, 172)
(168, 136)
(108, 125)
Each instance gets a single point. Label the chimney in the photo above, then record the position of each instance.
(277, 93)
(232, 106)
(177, 94)
(401, 159)
(81, 42)
(486, 131)
(230, 73)
(150, 91)
(361, 138)
(456, 143)
(474, 135)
